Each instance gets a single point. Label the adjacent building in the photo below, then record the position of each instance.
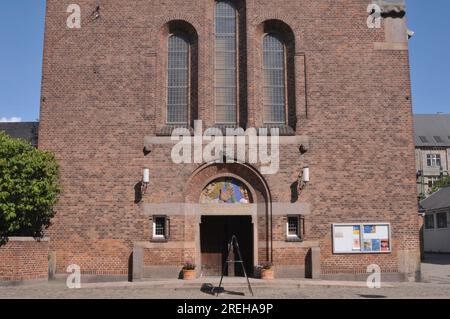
(27, 131)
(436, 232)
(343, 195)
(432, 139)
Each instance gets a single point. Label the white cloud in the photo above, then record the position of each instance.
(10, 120)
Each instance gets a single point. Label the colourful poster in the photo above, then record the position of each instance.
(356, 244)
(376, 245)
(367, 245)
(385, 245)
(356, 238)
(370, 229)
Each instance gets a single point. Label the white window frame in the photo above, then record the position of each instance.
(297, 236)
(433, 158)
(155, 236)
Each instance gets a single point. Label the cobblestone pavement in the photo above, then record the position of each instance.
(58, 290)
(435, 272)
(436, 268)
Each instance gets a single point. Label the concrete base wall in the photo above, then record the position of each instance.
(386, 277)
(161, 272)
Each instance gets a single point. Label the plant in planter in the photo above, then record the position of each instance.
(267, 272)
(189, 272)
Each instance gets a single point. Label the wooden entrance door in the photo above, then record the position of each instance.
(215, 234)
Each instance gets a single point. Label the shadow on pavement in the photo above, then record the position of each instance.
(373, 296)
(436, 259)
(212, 290)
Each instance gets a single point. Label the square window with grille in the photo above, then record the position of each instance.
(429, 221)
(160, 227)
(294, 228)
(433, 160)
(441, 220)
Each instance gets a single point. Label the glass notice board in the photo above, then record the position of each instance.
(370, 238)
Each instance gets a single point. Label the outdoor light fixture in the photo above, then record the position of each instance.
(303, 179)
(306, 175)
(145, 180)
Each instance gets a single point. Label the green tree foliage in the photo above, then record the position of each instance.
(28, 188)
(441, 183)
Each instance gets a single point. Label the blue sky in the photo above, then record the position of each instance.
(22, 29)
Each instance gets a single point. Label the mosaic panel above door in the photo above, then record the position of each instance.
(226, 191)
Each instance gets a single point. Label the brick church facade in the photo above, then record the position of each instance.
(338, 92)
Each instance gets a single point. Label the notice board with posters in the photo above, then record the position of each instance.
(370, 238)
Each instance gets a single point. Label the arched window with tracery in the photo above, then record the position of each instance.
(178, 86)
(226, 63)
(274, 66)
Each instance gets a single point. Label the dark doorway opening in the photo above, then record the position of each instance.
(215, 235)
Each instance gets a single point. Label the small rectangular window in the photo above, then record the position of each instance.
(433, 160)
(441, 220)
(432, 181)
(429, 221)
(294, 228)
(160, 227)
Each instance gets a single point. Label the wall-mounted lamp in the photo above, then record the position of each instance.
(306, 175)
(303, 179)
(145, 180)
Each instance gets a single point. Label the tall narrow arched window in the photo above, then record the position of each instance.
(178, 80)
(274, 80)
(226, 63)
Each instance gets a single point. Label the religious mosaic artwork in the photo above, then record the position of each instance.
(225, 191)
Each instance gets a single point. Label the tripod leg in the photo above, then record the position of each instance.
(223, 269)
(243, 268)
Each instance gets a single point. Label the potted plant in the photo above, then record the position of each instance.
(189, 272)
(267, 272)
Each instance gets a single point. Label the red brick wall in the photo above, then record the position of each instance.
(169, 256)
(103, 91)
(24, 259)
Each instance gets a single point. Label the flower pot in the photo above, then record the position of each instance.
(189, 274)
(267, 274)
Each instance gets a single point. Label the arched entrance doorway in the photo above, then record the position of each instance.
(216, 231)
(229, 199)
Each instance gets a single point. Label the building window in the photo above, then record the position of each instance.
(274, 65)
(178, 80)
(160, 228)
(432, 181)
(434, 160)
(429, 221)
(441, 220)
(294, 228)
(226, 63)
